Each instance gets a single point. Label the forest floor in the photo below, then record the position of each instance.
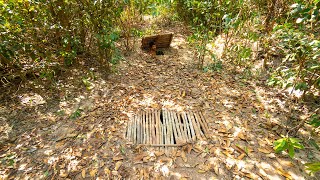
(68, 130)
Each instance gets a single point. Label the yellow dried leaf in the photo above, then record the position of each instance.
(241, 156)
(139, 157)
(107, 171)
(117, 158)
(158, 153)
(183, 94)
(93, 173)
(283, 173)
(83, 173)
(183, 156)
(266, 151)
(201, 171)
(117, 166)
(63, 173)
(241, 135)
(227, 154)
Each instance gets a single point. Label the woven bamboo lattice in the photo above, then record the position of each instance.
(163, 128)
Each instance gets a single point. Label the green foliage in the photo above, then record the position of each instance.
(87, 83)
(288, 144)
(76, 114)
(301, 65)
(216, 65)
(314, 120)
(199, 40)
(49, 32)
(313, 167)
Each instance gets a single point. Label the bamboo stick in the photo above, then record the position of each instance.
(129, 129)
(160, 126)
(186, 126)
(134, 132)
(181, 138)
(165, 130)
(169, 131)
(204, 120)
(137, 129)
(148, 126)
(205, 130)
(174, 126)
(193, 134)
(195, 125)
(144, 127)
(171, 128)
(153, 129)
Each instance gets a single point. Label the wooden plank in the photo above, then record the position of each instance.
(129, 129)
(134, 130)
(171, 128)
(166, 130)
(148, 126)
(186, 127)
(170, 135)
(175, 127)
(205, 130)
(181, 134)
(144, 127)
(159, 127)
(198, 125)
(156, 127)
(153, 122)
(167, 136)
(137, 130)
(204, 120)
(193, 137)
(161, 41)
(195, 126)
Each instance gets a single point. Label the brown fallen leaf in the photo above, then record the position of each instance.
(189, 148)
(183, 156)
(242, 136)
(63, 173)
(158, 153)
(107, 171)
(241, 156)
(165, 159)
(93, 172)
(227, 154)
(283, 173)
(201, 171)
(117, 158)
(83, 173)
(139, 157)
(117, 166)
(263, 150)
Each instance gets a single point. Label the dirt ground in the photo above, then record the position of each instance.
(76, 131)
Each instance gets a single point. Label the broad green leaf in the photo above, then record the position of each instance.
(291, 151)
(279, 145)
(313, 167)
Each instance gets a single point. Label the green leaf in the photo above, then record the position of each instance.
(314, 144)
(291, 151)
(279, 145)
(296, 143)
(313, 167)
(314, 120)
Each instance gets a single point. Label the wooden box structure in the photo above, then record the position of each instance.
(161, 41)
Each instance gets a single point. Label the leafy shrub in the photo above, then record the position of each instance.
(288, 144)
